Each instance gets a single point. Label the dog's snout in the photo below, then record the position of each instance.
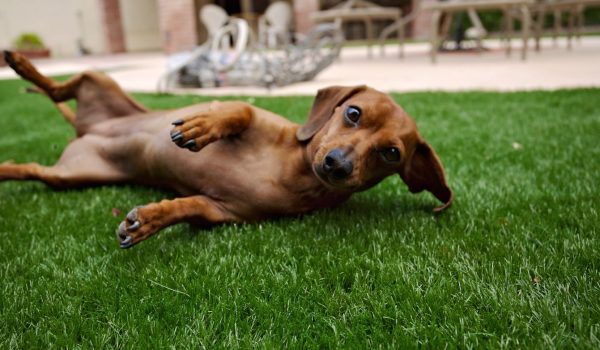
(336, 164)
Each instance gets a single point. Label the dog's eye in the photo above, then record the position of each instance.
(390, 155)
(352, 114)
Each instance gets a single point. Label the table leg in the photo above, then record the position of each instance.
(508, 30)
(401, 38)
(539, 27)
(369, 26)
(579, 27)
(570, 29)
(435, 22)
(556, 31)
(526, 24)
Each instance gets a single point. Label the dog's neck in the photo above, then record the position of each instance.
(301, 179)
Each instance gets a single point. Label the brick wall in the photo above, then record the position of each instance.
(113, 25)
(421, 26)
(178, 22)
(302, 11)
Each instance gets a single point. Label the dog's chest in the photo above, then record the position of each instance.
(253, 179)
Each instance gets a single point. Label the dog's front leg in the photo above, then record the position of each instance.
(144, 221)
(196, 131)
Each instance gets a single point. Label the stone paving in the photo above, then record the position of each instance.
(553, 68)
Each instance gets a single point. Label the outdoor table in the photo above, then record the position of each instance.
(449, 7)
(575, 9)
(357, 10)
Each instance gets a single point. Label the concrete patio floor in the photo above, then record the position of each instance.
(553, 68)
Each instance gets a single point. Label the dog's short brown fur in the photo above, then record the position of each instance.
(230, 161)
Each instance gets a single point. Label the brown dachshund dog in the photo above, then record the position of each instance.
(230, 161)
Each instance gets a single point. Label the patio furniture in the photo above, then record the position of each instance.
(246, 63)
(556, 8)
(228, 38)
(214, 18)
(476, 32)
(360, 10)
(274, 26)
(507, 6)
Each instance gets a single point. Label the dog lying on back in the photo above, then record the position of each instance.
(230, 161)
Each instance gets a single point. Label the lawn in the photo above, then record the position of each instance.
(514, 263)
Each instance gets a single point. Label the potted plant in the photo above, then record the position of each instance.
(31, 46)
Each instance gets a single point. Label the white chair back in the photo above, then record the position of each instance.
(279, 16)
(213, 17)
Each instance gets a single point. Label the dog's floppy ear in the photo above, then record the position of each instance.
(425, 172)
(325, 102)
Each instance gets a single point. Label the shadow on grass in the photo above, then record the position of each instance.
(366, 211)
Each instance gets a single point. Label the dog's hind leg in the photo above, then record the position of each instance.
(142, 222)
(98, 96)
(61, 176)
(83, 163)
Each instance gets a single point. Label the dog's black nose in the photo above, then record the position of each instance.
(336, 164)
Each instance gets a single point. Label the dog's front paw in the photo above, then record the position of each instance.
(138, 225)
(193, 134)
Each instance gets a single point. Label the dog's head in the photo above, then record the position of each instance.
(357, 136)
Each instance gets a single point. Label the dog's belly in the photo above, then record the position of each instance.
(246, 173)
(242, 173)
(245, 180)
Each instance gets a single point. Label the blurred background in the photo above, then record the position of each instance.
(135, 42)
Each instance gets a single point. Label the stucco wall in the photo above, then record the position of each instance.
(140, 25)
(59, 23)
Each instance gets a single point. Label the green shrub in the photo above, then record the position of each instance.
(28, 41)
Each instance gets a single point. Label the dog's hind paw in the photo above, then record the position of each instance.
(11, 59)
(137, 226)
(7, 56)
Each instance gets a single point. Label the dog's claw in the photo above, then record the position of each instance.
(134, 226)
(125, 240)
(177, 139)
(176, 136)
(177, 122)
(132, 215)
(189, 144)
(121, 235)
(127, 243)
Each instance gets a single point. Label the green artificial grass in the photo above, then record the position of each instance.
(514, 263)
